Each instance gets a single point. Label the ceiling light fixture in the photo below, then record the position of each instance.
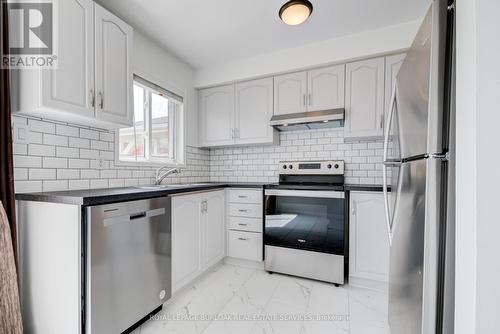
(295, 12)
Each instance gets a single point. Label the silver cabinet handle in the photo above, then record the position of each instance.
(304, 100)
(242, 239)
(309, 97)
(232, 133)
(241, 210)
(92, 98)
(241, 196)
(242, 224)
(381, 122)
(101, 98)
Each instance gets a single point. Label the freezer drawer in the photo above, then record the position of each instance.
(128, 262)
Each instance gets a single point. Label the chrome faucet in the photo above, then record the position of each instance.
(161, 174)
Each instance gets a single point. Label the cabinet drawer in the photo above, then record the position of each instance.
(245, 196)
(245, 245)
(245, 224)
(245, 210)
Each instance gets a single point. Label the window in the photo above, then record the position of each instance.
(157, 135)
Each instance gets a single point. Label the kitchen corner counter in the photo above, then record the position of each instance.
(90, 197)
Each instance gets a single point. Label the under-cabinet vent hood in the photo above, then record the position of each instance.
(332, 118)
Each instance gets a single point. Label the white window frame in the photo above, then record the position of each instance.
(178, 122)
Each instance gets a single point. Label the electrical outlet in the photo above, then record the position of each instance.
(20, 133)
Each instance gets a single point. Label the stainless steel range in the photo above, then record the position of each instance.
(305, 221)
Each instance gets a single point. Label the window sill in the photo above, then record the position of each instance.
(154, 164)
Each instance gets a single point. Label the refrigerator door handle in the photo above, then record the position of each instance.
(389, 162)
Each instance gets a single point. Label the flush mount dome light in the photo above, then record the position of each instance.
(295, 11)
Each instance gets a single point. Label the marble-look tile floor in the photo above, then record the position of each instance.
(239, 300)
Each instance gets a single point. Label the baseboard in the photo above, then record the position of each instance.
(369, 284)
(244, 263)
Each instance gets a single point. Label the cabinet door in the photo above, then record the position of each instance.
(368, 238)
(364, 105)
(325, 87)
(254, 109)
(290, 93)
(392, 65)
(213, 227)
(186, 240)
(113, 49)
(71, 86)
(217, 115)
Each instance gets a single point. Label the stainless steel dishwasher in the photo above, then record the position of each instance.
(128, 263)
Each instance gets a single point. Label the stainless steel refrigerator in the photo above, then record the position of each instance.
(419, 173)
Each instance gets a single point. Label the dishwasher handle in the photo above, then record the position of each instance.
(132, 217)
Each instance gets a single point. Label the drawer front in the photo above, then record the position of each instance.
(245, 245)
(245, 224)
(245, 196)
(245, 210)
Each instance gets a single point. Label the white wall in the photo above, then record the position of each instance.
(370, 43)
(158, 65)
(478, 158)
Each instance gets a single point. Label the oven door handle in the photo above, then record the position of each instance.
(305, 193)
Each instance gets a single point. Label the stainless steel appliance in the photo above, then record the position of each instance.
(128, 263)
(331, 118)
(420, 214)
(305, 224)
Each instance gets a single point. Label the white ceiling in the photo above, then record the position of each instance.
(209, 32)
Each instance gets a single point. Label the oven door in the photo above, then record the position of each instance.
(305, 219)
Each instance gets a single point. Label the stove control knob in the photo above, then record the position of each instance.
(284, 166)
(329, 166)
(336, 166)
(291, 166)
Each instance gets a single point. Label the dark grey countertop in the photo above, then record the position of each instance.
(363, 187)
(112, 195)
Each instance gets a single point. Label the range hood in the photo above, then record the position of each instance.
(332, 118)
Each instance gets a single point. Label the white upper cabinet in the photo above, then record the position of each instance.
(237, 114)
(254, 109)
(93, 56)
(368, 238)
(71, 86)
(113, 40)
(364, 104)
(217, 115)
(290, 93)
(325, 88)
(213, 228)
(392, 65)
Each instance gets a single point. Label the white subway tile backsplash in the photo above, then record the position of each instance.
(27, 161)
(42, 174)
(83, 158)
(65, 130)
(55, 185)
(89, 134)
(49, 139)
(79, 142)
(41, 150)
(41, 126)
(67, 152)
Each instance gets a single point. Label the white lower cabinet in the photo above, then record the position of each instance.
(245, 216)
(245, 245)
(198, 235)
(368, 241)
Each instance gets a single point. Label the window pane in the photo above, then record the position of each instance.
(160, 116)
(132, 140)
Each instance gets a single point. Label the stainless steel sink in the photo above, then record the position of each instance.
(171, 186)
